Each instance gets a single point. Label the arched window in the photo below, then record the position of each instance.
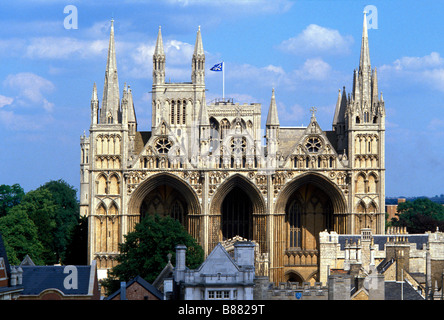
(294, 235)
(173, 106)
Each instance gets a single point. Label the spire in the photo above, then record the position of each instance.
(341, 105)
(364, 61)
(131, 111)
(159, 61)
(198, 47)
(198, 62)
(158, 50)
(111, 100)
(272, 118)
(94, 96)
(338, 106)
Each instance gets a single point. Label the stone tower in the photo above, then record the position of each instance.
(206, 165)
(360, 124)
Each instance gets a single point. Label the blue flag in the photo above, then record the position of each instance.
(217, 67)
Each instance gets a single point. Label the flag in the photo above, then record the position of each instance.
(217, 67)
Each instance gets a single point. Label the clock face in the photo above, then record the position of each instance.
(313, 144)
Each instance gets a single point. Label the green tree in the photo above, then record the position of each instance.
(420, 215)
(66, 215)
(10, 196)
(20, 237)
(40, 208)
(76, 251)
(145, 250)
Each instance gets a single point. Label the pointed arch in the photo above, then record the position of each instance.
(160, 179)
(114, 184)
(101, 209)
(372, 183)
(332, 191)
(238, 201)
(360, 207)
(113, 209)
(360, 183)
(244, 184)
(101, 184)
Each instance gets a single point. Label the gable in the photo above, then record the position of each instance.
(312, 141)
(218, 261)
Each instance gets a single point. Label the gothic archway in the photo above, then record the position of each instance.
(306, 206)
(237, 193)
(237, 215)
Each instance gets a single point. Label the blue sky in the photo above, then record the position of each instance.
(306, 50)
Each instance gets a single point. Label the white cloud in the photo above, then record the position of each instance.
(427, 70)
(4, 101)
(30, 89)
(64, 48)
(255, 6)
(24, 122)
(178, 57)
(317, 39)
(314, 69)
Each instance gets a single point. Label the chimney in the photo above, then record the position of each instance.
(122, 290)
(244, 253)
(19, 276)
(13, 276)
(180, 262)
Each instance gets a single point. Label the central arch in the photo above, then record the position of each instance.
(238, 207)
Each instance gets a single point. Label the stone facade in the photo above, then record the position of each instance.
(204, 163)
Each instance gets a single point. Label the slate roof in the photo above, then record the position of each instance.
(40, 278)
(393, 291)
(149, 287)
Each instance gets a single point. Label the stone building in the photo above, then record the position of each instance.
(204, 163)
(220, 277)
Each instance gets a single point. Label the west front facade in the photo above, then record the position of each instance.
(205, 164)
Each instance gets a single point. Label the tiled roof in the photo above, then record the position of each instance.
(149, 287)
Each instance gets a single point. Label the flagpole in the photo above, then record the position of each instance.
(223, 81)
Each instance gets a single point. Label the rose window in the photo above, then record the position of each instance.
(163, 145)
(313, 144)
(238, 145)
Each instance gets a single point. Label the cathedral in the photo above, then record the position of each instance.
(207, 165)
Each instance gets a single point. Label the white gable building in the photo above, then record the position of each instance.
(220, 277)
